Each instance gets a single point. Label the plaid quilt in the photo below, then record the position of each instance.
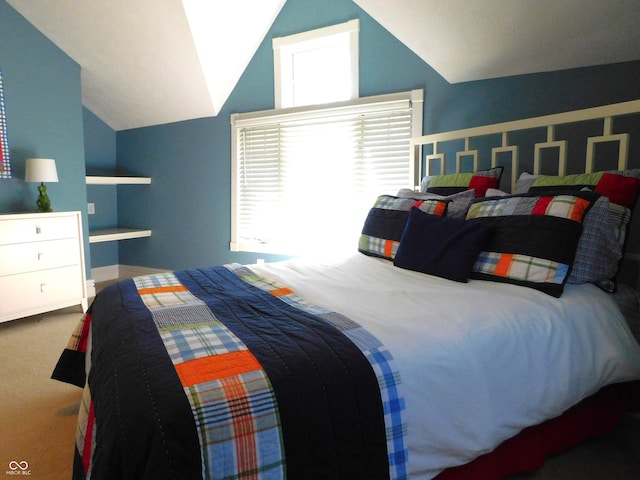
(218, 373)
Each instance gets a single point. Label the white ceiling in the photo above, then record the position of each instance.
(149, 62)
(467, 40)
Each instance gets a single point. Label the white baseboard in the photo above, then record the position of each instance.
(114, 272)
(91, 288)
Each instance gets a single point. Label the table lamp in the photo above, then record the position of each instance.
(41, 170)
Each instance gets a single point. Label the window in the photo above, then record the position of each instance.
(304, 179)
(319, 66)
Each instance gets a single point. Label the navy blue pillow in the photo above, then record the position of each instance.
(441, 246)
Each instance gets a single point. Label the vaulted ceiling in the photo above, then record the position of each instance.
(134, 74)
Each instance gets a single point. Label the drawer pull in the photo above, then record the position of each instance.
(38, 230)
(43, 288)
(40, 255)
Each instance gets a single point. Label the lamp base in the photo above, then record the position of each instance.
(43, 202)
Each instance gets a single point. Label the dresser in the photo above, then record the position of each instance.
(41, 263)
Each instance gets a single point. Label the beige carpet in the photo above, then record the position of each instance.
(38, 415)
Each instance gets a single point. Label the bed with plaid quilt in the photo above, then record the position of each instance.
(220, 374)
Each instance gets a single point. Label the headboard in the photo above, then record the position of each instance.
(580, 141)
(504, 132)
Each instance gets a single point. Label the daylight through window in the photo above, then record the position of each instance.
(319, 66)
(303, 180)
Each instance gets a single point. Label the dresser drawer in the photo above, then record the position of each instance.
(41, 263)
(30, 257)
(33, 228)
(29, 292)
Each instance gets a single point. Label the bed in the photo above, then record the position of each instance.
(468, 330)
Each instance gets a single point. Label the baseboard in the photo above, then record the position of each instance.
(91, 288)
(114, 272)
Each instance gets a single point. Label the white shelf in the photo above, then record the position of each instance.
(112, 234)
(99, 180)
(115, 234)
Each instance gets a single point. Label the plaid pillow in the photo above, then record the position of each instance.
(385, 223)
(458, 202)
(534, 238)
(597, 251)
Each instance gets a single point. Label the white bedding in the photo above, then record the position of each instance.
(479, 361)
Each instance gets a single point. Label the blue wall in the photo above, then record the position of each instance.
(43, 105)
(100, 158)
(188, 203)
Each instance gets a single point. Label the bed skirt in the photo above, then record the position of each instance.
(527, 451)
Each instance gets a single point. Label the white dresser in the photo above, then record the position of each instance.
(41, 263)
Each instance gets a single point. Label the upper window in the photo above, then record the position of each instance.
(316, 67)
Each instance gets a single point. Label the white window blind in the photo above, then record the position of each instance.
(304, 179)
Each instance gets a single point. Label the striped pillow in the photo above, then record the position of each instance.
(605, 233)
(478, 181)
(534, 240)
(458, 202)
(385, 223)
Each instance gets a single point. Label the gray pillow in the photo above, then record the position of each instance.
(599, 251)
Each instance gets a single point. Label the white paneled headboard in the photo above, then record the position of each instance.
(606, 114)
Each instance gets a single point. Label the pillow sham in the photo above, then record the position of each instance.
(442, 246)
(458, 202)
(620, 187)
(494, 192)
(525, 180)
(386, 221)
(479, 181)
(534, 239)
(599, 251)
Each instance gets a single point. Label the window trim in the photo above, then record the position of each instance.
(243, 120)
(285, 47)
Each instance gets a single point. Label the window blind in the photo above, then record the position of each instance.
(305, 178)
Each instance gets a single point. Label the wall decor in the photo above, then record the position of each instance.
(5, 166)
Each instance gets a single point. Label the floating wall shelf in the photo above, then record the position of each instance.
(99, 180)
(113, 234)
(117, 233)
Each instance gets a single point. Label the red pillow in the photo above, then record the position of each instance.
(620, 189)
(482, 183)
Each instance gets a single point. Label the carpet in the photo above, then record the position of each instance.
(38, 415)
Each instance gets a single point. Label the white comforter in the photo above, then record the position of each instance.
(479, 361)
